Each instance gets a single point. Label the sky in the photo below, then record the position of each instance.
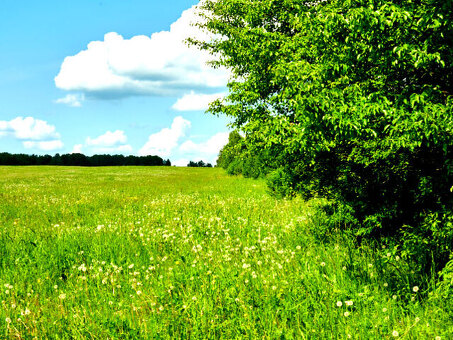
(110, 76)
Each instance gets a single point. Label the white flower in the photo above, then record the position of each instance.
(339, 303)
(62, 296)
(349, 303)
(415, 289)
(346, 314)
(194, 298)
(139, 292)
(323, 264)
(395, 333)
(8, 320)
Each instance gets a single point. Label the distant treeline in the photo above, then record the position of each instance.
(78, 159)
(199, 164)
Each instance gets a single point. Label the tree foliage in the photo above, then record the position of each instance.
(357, 96)
(78, 159)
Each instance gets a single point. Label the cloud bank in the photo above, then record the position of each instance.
(175, 142)
(158, 65)
(34, 133)
(165, 141)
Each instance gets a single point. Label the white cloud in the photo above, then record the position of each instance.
(206, 151)
(108, 139)
(73, 100)
(196, 102)
(165, 141)
(45, 145)
(28, 128)
(109, 142)
(77, 148)
(181, 162)
(113, 149)
(161, 64)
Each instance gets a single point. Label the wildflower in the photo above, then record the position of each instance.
(323, 264)
(27, 311)
(298, 247)
(346, 314)
(62, 296)
(8, 320)
(349, 303)
(194, 298)
(395, 333)
(415, 289)
(417, 319)
(131, 266)
(339, 303)
(438, 338)
(394, 297)
(370, 265)
(139, 292)
(384, 309)
(386, 284)
(397, 258)
(274, 287)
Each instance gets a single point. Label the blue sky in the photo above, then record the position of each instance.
(109, 76)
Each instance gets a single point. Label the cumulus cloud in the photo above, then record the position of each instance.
(108, 139)
(165, 141)
(44, 146)
(109, 142)
(207, 150)
(74, 100)
(196, 102)
(161, 64)
(77, 148)
(28, 128)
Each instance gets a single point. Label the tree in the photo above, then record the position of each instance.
(358, 97)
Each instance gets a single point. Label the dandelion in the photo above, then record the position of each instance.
(395, 333)
(346, 314)
(274, 287)
(417, 319)
(8, 320)
(386, 284)
(298, 247)
(394, 297)
(323, 264)
(339, 303)
(139, 292)
(131, 266)
(62, 296)
(397, 258)
(194, 298)
(349, 303)
(384, 309)
(415, 289)
(438, 338)
(27, 311)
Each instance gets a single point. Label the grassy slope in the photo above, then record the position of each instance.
(139, 252)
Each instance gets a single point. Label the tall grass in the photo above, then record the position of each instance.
(145, 252)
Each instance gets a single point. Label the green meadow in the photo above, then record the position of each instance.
(192, 253)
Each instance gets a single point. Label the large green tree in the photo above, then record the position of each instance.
(358, 95)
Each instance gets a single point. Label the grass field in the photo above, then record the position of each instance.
(170, 253)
